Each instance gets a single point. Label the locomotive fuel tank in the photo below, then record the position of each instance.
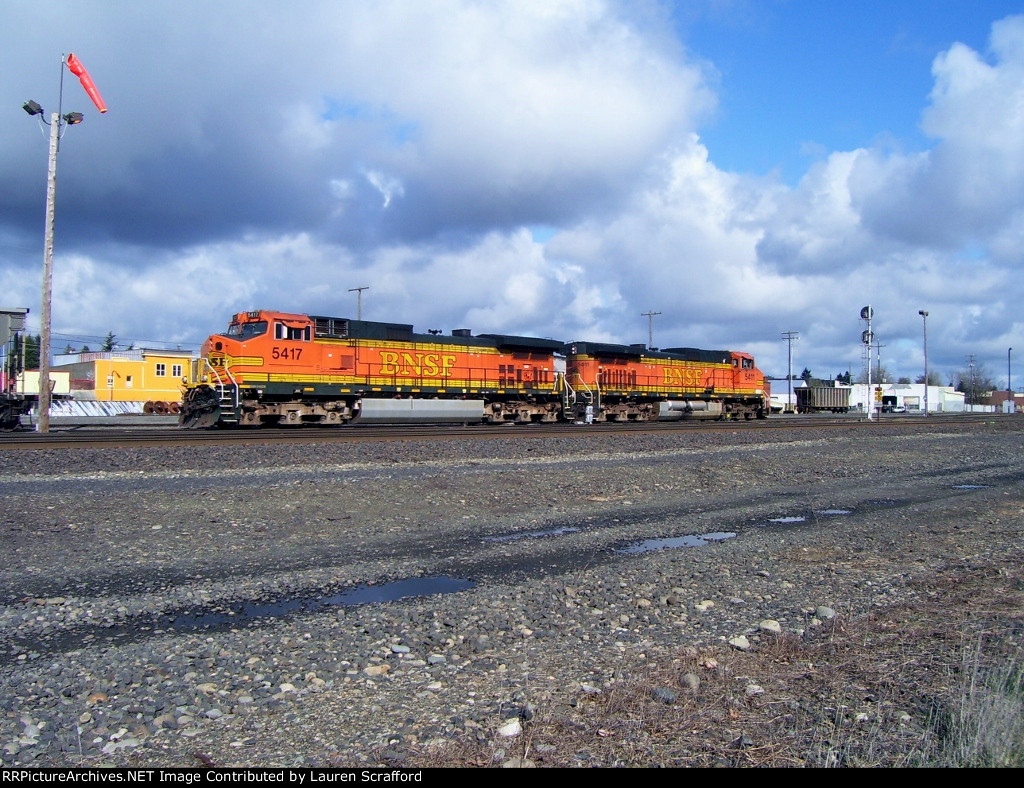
(420, 411)
(675, 410)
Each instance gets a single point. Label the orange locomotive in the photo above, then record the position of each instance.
(634, 383)
(281, 368)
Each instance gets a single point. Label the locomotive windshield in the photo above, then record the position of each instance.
(247, 330)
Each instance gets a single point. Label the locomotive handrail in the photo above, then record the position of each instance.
(586, 389)
(219, 378)
(571, 394)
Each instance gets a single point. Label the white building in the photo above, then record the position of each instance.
(909, 397)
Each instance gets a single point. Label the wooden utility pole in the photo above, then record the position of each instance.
(650, 327)
(359, 299)
(790, 336)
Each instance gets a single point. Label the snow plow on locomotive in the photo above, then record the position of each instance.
(277, 368)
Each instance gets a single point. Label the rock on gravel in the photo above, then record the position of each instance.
(296, 605)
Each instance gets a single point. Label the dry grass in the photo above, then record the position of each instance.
(934, 684)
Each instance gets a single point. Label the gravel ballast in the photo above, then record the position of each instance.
(364, 604)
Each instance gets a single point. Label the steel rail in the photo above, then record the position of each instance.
(112, 436)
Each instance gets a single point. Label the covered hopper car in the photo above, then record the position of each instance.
(281, 368)
(12, 407)
(819, 399)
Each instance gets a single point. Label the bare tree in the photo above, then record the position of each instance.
(974, 381)
(879, 374)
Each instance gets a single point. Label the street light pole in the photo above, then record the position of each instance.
(924, 320)
(56, 122)
(1009, 386)
(43, 424)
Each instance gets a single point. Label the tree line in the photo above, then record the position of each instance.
(23, 352)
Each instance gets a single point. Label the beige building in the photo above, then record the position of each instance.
(28, 383)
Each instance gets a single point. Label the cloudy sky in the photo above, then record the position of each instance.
(557, 168)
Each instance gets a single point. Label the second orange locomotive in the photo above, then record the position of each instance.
(283, 368)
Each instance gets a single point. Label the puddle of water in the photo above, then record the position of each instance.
(834, 511)
(970, 486)
(796, 519)
(359, 595)
(649, 545)
(531, 534)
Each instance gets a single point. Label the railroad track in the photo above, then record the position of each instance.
(113, 436)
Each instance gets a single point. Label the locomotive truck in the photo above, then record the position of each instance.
(279, 368)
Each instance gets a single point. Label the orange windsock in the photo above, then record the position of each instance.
(75, 67)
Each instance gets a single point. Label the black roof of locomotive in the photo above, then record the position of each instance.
(346, 328)
(525, 343)
(607, 350)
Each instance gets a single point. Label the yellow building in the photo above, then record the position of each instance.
(126, 375)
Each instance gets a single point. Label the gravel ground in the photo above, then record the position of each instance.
(385, 603)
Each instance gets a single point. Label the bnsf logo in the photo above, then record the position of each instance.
(687, 376)
(431, 365)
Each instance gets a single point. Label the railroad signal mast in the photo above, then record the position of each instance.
(867, 338)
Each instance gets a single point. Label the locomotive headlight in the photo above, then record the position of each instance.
(184, 380)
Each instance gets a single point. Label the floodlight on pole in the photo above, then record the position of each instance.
(56, 122)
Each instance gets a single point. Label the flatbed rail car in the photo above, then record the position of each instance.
(823, 399)
(277, 368)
